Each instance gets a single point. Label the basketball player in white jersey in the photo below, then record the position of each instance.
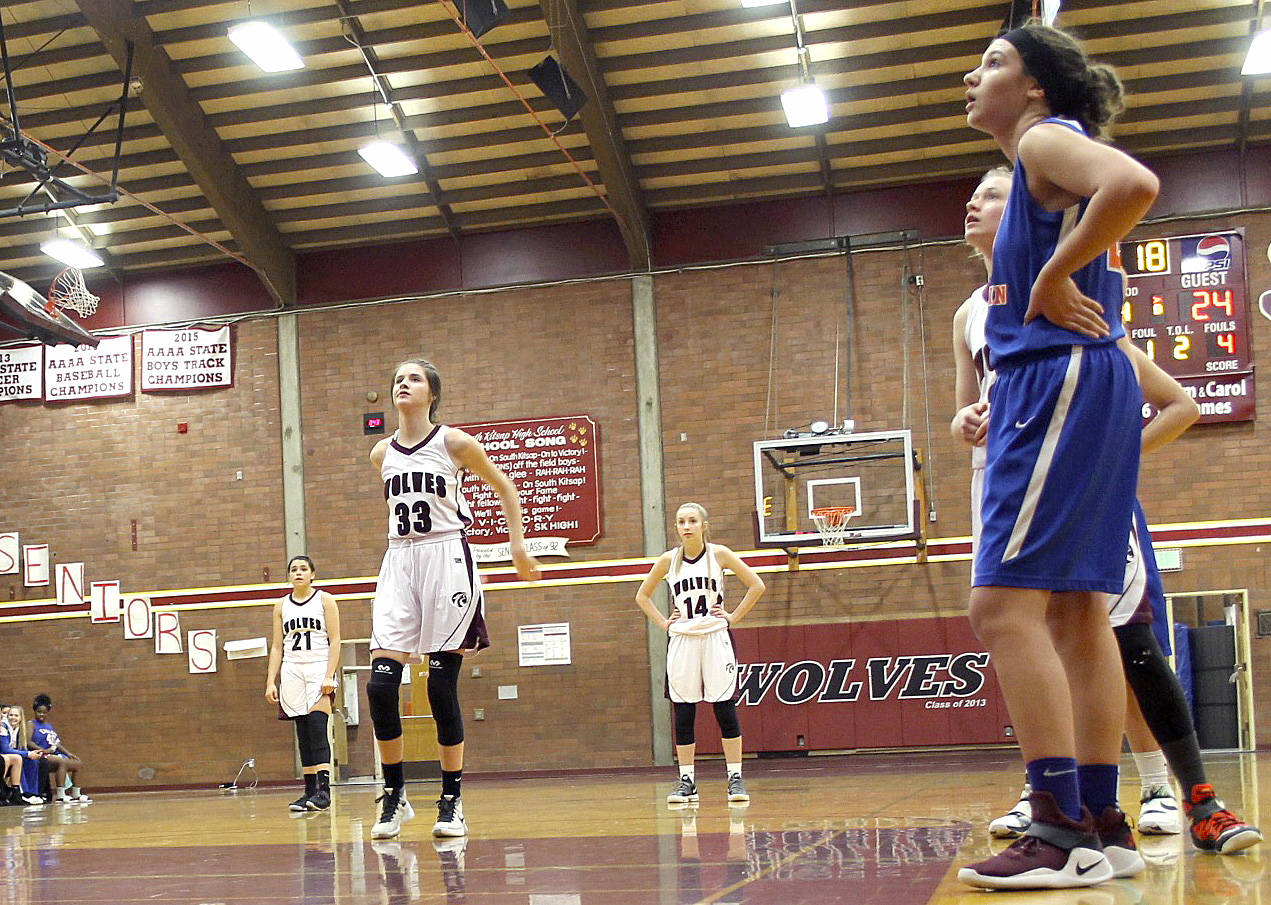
(700, 662)
(428, 599)
(303, 659)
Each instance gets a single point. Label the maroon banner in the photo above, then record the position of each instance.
(894, 684)
(555, 465)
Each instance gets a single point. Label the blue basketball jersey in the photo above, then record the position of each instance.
(1026, 240)
(44, 735)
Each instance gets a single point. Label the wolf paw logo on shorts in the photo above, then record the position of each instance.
(459, 599)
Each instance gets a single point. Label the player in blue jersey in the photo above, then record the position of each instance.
(42, 737)
(1158, 718)
(1062, 449)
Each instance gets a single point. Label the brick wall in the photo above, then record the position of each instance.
(76, 474)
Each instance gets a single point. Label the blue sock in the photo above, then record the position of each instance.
(1058, 776)
(1098, 784)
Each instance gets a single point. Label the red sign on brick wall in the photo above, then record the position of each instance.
(905, 683)
(554, 463)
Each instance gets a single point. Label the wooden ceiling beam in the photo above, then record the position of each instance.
(573, 43)
(167, 97)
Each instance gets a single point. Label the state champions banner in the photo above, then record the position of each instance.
(191, 358)
(21, 373)
(74, 373)
(555, 465)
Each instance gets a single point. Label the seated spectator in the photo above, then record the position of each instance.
(22, 766)
(61, 762)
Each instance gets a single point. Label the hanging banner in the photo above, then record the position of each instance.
(21, 373)
(192, 358)
(555, 465)
(80, 372)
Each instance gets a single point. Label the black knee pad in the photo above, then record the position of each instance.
(685, 719)
(1154, 684)
(302, 740)
(319, 744)
(383, 693)
(443, 696)
(726, 716)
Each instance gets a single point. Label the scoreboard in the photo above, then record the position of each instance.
(1187, 307)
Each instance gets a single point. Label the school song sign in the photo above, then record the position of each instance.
(554, 463)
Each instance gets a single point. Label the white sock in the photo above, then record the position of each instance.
(734, 768)
(690, 771)
(75, 792)
(1153, 771)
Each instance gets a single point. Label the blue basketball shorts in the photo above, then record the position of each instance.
(1062, 472)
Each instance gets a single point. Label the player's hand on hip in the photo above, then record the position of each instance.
(673, 618)
(718, 610)
(328, 686)
(1063, 304)
(271, 694)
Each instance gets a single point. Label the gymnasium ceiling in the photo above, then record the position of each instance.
(684, 112)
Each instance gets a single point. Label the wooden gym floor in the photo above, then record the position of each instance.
(859, 830)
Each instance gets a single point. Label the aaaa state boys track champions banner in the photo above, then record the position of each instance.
(190, 358)
(555, 465)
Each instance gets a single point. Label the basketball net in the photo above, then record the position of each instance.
(69, 292)
(831, 524)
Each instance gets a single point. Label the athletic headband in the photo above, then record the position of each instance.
(1042, 63)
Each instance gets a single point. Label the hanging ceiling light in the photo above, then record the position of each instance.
(805, 105)
(388, 159)
(265, 45)
(1258, 61)
(71, 253)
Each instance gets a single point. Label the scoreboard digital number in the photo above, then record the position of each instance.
(1187, 307)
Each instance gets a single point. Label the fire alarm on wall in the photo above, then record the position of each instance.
(183, 427)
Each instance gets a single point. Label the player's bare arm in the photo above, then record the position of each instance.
(331, 616)
(275, 656)
(1064, 167)
(970, 423)
(755, 586)
(1176, 411)
(644, 595)
(377, 453)
(471, 455)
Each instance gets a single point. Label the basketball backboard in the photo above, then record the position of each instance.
(872, 473)
(27, 312)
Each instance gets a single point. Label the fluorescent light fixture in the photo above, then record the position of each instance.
(71, 253)
(388, 159)
(750, 4)
(1258, 62)
(265, 45)
(805, 106)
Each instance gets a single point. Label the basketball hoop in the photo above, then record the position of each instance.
(68, 291)
(831, 524)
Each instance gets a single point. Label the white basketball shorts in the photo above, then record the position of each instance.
(300, 686)
(701, 668)
(428, 598)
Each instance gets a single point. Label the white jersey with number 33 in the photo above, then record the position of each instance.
(421, 486)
